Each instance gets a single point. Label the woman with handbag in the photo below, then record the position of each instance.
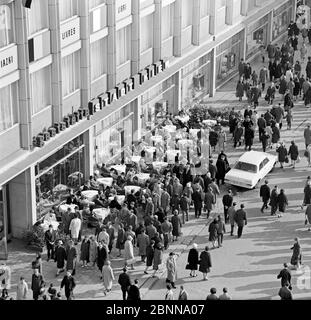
(205, 263)
(193, 260)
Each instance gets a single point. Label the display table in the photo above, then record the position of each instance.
(158, 165)
(101, 213)
(142, 177)
(128, 189)
(120, 199)
(119, 168)
(90, 194)
(105, 181)
(64, 207)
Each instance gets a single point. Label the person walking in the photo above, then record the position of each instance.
(85, 251)
(166, 228)
(184, 204)
(297, 255)
(225, 295)
(102, 256)
(231, 214)
(213, 235)
(193, 260)
(133, 292)
(221, 229)
(282, 203)
(108, 277)
(307, 135)
(157, 258)
(93, 250)
(289, 119)
(37, 283)
(205, 263)
(240, 219)
(275, 136)
(239, 90)
(274, 200)
(125, 282)
(221, 169)
(176, 225)
(142, 244)
(263, 77)
(264, 193)
(285, 293)
(149, 256)
(120, 238)
(61, 257)
(171, 268)
(183, 294)
(227, 201)
(197, 198)
(265, 138)
(308, 216)
(21, 289)
(169, 293)
(237, 135)
(285, 276)
(111, 234)
(293, 153)
(282, 154)
(69, 283)
(129, 252)
(270, 94)
(209, 201)
(75, 227)
(72, 255)
(50, 237)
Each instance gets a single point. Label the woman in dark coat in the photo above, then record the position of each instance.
(213, 138)
(283, 85)
(193, 260)
(282, 202)
(308, 97)
(248, 137)
(60, 256)
(293, 153)
(149, 255)
(275, 133)
(221, 170)
(121, 238)
(307, 195)
(176, 224)
(102, 256)
(212, 229)
(281, 150)
(205, 262)
(239, 90)
(296, 88)
(297, 256)
(237, 135)
(85, 252)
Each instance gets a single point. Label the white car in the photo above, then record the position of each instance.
(250, 169)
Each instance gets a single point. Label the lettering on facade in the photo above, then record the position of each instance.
(134, 82)
(122, 8)
(69, 33)
(6, 61)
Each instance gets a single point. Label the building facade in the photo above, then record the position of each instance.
(96, 74)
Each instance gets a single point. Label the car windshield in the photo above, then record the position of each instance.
(246, 167)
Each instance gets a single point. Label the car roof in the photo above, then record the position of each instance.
(253, 157)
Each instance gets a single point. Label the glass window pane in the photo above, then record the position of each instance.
(6, 25)
(37, 16)
(6, 117)
(98, 58)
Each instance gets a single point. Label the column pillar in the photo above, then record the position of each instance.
(56, 72)
(177, 29)
(111, 22)
(25, 110)
(85, 53)
(270, 28)
(213, 73)
(196, 23)
(179, 85)
(157, 31)
(135, 43)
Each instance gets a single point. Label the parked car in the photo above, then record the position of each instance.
(250, 169)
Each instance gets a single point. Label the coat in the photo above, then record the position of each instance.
(102, 256)
(36, 283)
(212, 229)
(197, 198)
(128, 250)
(263, 75)
(221, 169)
(264, 192)
(85, 251)
(149, 255)
(171, 269)
(142, 243)
(71, 258)
(75, 227)
(283, 86)
(307, 136)
(293, 152)
(69, 284)
(240, 218)
(176, 224)
(282, 202)
(108, 276)
(285, 276)
(239, 90)
(274, 198)
(133, 293)
(193, 259)
(296, 257)
(282, 153)
(209, 200)
(61, 256)
(158, 256)
(205, 262)
(124, 281)
(120, 239)
(307, 194)
(183, 295)
(93, 251)
(165, 201)
(231, 214)
(275, 135)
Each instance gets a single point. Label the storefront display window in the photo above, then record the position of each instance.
(63, 170)
(229, 54)
(257, 35)
(195, 80)
(281, 19)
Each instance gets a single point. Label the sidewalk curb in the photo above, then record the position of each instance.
(187, 243)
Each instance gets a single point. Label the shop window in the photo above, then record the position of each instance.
(37, 16)
(41, 89)
(98, 18)
(123, 40)
(186, 19)
(8, 116)
(167, 21)
(6, 25)
(71, 73)
(146, 33)
(67, 9)
(98, 58)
